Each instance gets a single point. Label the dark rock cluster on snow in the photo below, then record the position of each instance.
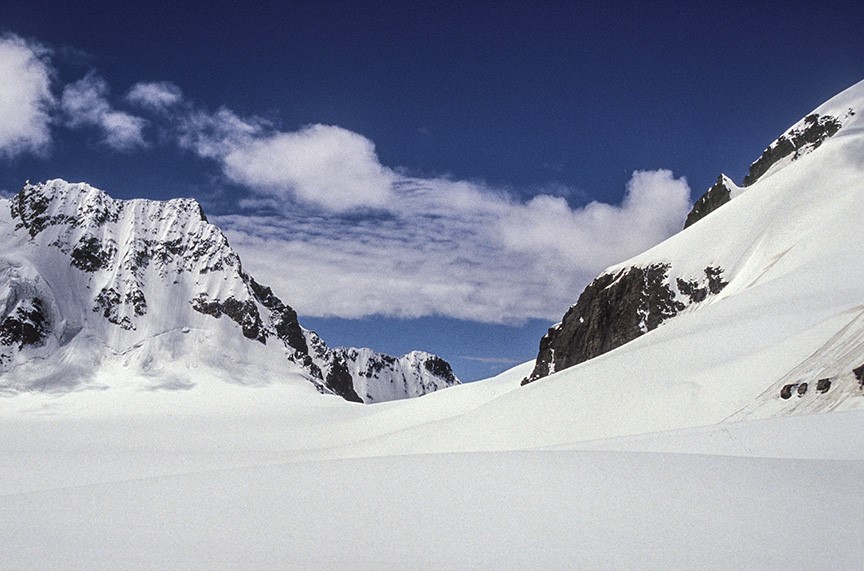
(26, 325)
(859, 374)
(797, 142)
(697, 291)
(822, 387)
(109, 302)
(441, 369)
(340, 381)
(244, 313)
(90, 255)
(283, 317)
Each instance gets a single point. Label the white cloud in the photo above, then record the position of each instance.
(454, 248)
(327, 166)
(25, 97)
(548, 228)
(216, 135)
(158, 96)
(85, 103)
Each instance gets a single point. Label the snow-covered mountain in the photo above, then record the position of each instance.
(795, 219)
(86, 280)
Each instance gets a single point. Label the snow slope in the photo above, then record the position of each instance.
(676, 450)
(514, 510)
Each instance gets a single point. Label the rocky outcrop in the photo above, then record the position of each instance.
(242, 312)
(805, 137)
(283, 318)
(719, 194)
(794, 143)
(615, 309)
(25, 325)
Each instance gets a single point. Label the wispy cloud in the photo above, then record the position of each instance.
(157, 96)
(216, 135)
(85, 103)
(453, 248)
(341, 235)
(25, 97)
(490, 360)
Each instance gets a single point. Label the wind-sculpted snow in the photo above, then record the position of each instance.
(82, 268)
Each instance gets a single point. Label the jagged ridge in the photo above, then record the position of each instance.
(126, 271)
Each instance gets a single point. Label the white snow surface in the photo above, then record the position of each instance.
(674, 451)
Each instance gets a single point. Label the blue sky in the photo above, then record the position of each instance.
(439, 176)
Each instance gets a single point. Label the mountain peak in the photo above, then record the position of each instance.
(809, 133)
(721, 192)
(80, 268)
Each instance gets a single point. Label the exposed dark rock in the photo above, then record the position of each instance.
(716, 283)
(786, 391)
(244, 313)
(25, 326)
(822, 386)
(339, 380)
(696, 291)
(815, 131)
(859, 374)
(440, 368)
(692, 289)
(30, 206)
(90, 255)
(802, 389)
(613, 310)
(715, 197)
(284, 318)
(109, 302)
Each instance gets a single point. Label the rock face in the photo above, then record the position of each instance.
(802, 138)
(859, 375)
(81, 272)
(617, 308)
(805, 137)
(719, 194)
